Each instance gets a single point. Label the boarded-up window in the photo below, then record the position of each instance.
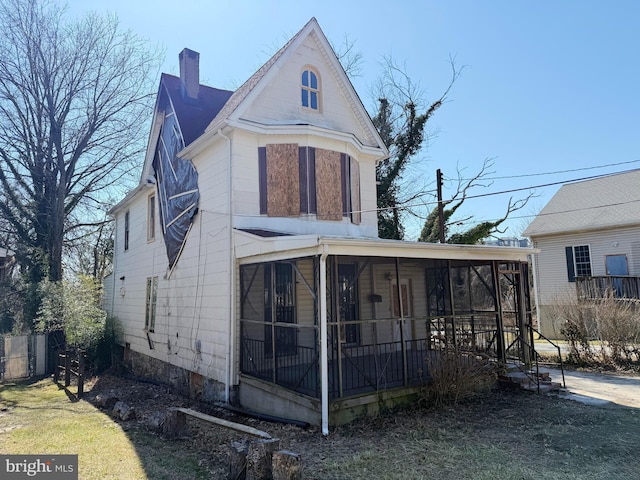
(328, 184)
(305, 180)
(279, 180)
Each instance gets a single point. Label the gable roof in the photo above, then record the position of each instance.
(242, 97)
(605, 202)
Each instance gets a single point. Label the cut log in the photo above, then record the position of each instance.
(106, 400)
(286, 465)
(123, 411)
(238, 451)
(259, 459)
(174, 424)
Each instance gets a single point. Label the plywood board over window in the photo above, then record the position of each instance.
(328, 185)
(283, 180)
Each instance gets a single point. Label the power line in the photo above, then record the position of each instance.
(525, 175)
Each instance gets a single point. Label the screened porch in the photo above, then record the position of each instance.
(384, 316)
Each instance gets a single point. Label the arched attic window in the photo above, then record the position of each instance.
(310, 88)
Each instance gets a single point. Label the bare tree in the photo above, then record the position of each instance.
(482, 230)
(74, 104)
(401, 120)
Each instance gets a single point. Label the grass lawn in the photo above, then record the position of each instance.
(505, 435)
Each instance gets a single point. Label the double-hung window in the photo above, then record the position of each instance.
(578, 261)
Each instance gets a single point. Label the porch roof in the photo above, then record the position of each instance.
(250, 248)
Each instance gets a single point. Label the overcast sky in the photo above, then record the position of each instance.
(547, 85)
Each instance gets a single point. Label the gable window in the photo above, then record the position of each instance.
(126, 230)
(151, 218)
(578, 261)
(310, 89)
(298, 181)
(152, 297)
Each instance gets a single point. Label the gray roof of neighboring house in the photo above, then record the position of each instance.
(610, 201)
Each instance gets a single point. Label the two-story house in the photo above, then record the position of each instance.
(247, 266)
(588, 241)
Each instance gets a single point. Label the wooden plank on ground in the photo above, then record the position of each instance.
(225, 423)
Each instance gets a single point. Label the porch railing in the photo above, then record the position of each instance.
(602, 286)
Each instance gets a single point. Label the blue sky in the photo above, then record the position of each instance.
(547, 86)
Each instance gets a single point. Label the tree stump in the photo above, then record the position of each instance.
(175, 423)
(286, 465)
(259, 458)
(238, 451)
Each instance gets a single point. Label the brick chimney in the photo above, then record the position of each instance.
(190, 73)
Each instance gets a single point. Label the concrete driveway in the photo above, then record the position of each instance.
(600, 388)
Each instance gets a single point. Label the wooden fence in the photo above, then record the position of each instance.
(69, 363)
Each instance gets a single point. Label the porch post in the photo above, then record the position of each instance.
(324, 360)
(525, 331)
(403, 345)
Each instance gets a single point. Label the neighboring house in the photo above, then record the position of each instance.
(508, 242)
(247, 266)
(6, 260)
(588, 237)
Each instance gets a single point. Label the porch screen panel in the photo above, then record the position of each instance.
(328, 185)
(283, 180)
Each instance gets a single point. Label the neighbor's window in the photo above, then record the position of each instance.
(126, 230)
(310, 89)
(151, 218)
(152, 297)
(578, 261)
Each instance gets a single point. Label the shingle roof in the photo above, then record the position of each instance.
(193, 117)
(610, 201)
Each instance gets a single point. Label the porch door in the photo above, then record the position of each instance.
(406, 322)
(617, 266)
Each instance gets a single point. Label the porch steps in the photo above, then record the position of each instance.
(518, 376)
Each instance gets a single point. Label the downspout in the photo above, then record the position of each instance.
(324, 358)
(231, 309)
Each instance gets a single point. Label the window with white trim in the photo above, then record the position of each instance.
(152, 298)
(310, 89)
(126, 230)
(151, 218)
(578, 261)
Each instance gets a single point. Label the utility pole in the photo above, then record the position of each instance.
(440, 207)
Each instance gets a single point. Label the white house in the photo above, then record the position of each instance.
(247, 266)
(588, 237)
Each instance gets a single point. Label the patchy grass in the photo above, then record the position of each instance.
(39, 417)
(504, 435)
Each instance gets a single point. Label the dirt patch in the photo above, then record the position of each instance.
(504, 434)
